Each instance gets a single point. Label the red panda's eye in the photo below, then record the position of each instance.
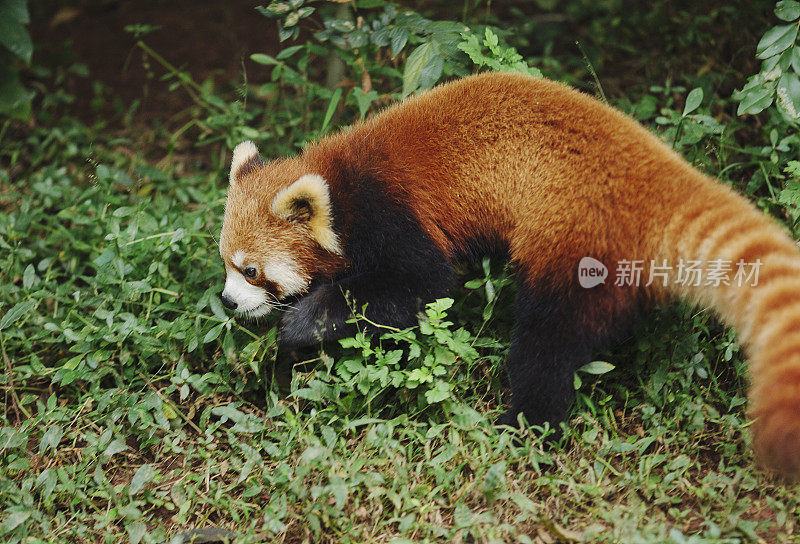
(249, 272)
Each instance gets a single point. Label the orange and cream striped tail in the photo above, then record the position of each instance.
(761, 300)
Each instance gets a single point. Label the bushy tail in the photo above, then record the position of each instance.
(759, 296)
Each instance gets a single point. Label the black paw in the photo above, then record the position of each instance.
(316, 317)
(302, 325)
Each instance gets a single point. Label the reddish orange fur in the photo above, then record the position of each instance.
(558, 176)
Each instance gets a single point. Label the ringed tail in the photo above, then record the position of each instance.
(707, 221)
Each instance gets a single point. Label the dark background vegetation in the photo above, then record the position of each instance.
(134, 407)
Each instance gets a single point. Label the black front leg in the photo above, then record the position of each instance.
(391, 299)
(540, 372)
(554, 335)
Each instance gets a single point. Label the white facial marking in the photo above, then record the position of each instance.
(285, 272)
(238, 259)
(250, 300)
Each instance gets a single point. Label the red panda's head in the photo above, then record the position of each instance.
(277, 234)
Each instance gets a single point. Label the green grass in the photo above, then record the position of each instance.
(135, 407)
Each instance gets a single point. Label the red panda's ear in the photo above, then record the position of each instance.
(244, 153)
(308, 201)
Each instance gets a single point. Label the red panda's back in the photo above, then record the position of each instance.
(552, 171)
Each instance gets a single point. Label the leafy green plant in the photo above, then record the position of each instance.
(687, 128)
(494, 56)
(419, 366)
(775, 90)
(778, 81)
(436, 48)
(790, 195)
(357, 43)
(15, 47)
(288, 13)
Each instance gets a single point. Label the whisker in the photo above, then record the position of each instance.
(282, 305)
(208, 228)
(277, 304)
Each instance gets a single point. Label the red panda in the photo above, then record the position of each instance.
(544, 174)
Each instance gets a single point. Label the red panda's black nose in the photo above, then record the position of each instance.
(228, 302)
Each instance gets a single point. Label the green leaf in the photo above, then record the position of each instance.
(15, 9)
(755, 101)
(305, 12)
(284, 53)
(788, 93)
(440, 392)
(793, 168)
(693, 101)
(261, 58)
(116, 446)
(441, 305)
(339, 491)
(275, 10)
(141, 477)
(73, 362)
(494, 479)
(16, 312)
(472, 47)
(767, 68)
(358, 38)
(213, 334)
(216, 307)
(416, 63)
(787, 10)
(136, 531)
(292, 19)
(381, 36)
(337, 95)
(50, 439)
(776, 40)
(29, 278)
(309, 394)
(12, 521)
(785, 59)
(15, 99)
(124, 211)
(312, 453)
(398, 37)
(15, 38)
(284, 33)
(431, 72)
(790, 196)
(491, 40)
(132, 289)
(243, 422)
(11, 438)
(47, 481)
(364, 100)
(596, 367)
